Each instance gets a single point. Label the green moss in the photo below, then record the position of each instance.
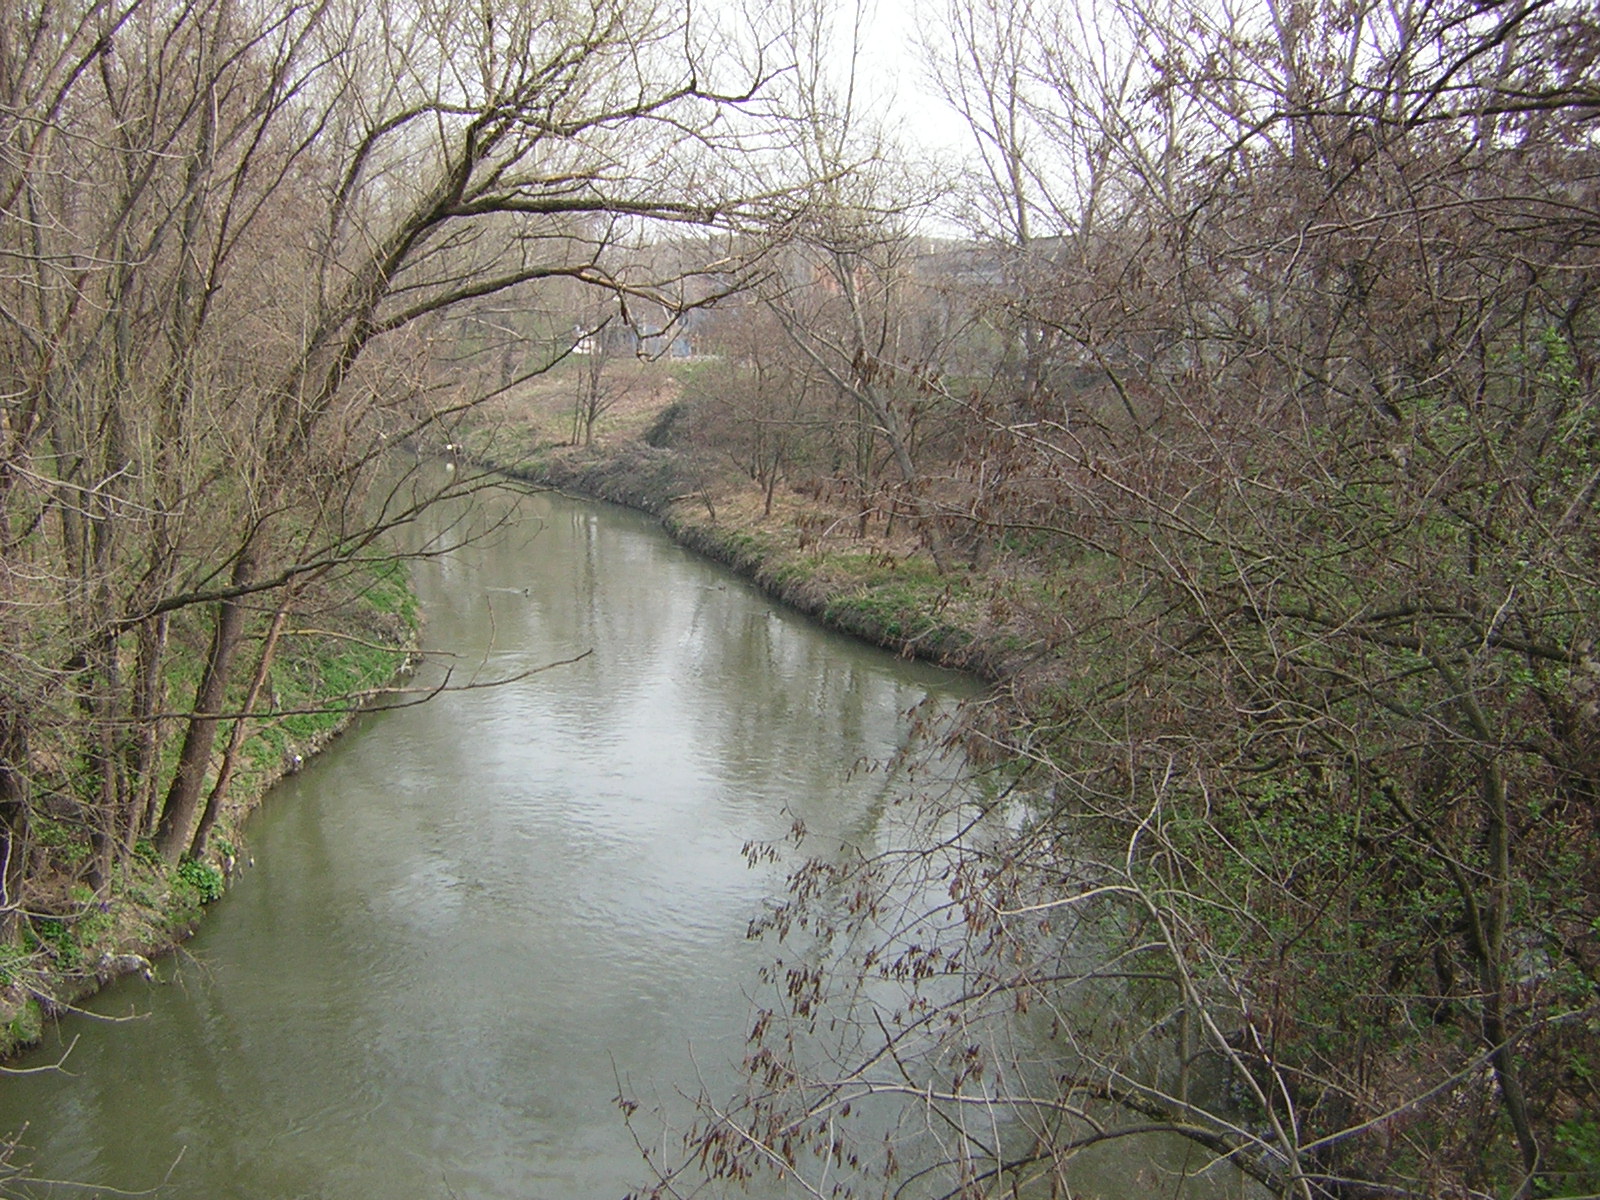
(27, 1026)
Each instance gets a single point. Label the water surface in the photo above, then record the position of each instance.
(473, 922)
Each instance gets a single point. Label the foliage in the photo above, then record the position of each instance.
(57, 939)
(203, 879)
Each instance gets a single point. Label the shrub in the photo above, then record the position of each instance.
(201, 878)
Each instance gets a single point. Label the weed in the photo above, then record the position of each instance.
(27, 1025)
(204, 880)
(57, 939)
(13, 963)
(1578, 1142)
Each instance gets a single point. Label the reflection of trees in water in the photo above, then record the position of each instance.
(926, 1022)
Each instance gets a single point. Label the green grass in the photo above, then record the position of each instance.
(330, 676)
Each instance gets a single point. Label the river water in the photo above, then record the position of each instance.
(472, 923)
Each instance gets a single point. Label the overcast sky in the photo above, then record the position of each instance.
(893, 75)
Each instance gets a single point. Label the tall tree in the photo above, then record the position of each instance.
(1316, 787)
(232, 231)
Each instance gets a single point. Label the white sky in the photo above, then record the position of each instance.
(892, 74)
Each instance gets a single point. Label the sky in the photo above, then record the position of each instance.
(894, 77)
(888, 64)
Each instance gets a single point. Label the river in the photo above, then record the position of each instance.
(471, 922)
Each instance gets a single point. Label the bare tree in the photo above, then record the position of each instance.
(233, 240)
(1299, 866)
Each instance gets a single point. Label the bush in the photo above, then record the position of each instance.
(201, 878)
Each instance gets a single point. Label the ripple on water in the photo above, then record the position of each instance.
(472, 916)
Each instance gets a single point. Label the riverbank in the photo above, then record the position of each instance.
(997, 615)
(76, 940)
(1004, 608)
(880, 588)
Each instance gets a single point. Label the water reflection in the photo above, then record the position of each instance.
(471, 919)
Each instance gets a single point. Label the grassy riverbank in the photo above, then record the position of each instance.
(999, 614)
(345, 641)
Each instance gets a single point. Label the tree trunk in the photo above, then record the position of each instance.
(183, 797)
(144, 748)
(14, 825)
(230, 756)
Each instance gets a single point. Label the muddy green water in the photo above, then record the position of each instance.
(472, 923)
(468, 920)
